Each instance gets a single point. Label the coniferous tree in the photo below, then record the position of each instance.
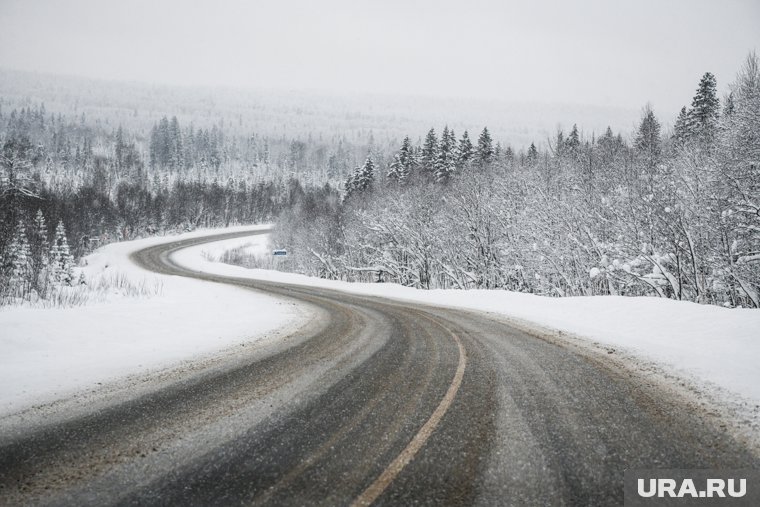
(705, 110)
(509, 154)
(365, 175)
(484, 153)
(403, 163)
(681, 127)
(465, 152)
(497, 152)
(395, 170)
(17, 262)
(648, 143)
(573, 143)
(532, 156)
(429, 153)
(445, 162)
(61, 261)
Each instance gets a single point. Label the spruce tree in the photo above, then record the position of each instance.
(395, 170)
(61, 261)
(17, 262)
(445, 162)
(532, 154)
(609, 147)
(484, 153)
(465, 152)
(407, 158)
(573, 143)
(647, 142)
(705, 110)
(429, 152)
(680, 129)
(365, 176)
(403, 163)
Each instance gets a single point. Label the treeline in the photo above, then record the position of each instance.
(103, 183)
(71, 147)
(94, 217)
(101, 186)
(674, 216)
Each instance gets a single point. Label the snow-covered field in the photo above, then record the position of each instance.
(46, 354)
(713, 346)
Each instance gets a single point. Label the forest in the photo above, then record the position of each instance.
(661, 212)
(69, 185)
(668, 214)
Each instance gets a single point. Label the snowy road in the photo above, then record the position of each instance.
(375, 400)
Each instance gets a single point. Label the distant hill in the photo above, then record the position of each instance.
(302, 113)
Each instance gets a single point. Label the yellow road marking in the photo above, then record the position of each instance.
(375, 489)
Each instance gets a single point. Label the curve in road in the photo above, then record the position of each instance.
(375, 402)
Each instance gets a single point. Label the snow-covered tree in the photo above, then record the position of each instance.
(61, 261)
(728, 104)
(484, 152)
(445, 163)
(465, 152)
(736, 184)
(573, 143)
(681, 127)
(362, 178)
(403, 163)
(532, 156)
(39, 249)
(429, 154)
(705, 110)
(396, 170)
(648, 143)
(17, 263)
(350, 184)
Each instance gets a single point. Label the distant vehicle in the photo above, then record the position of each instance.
(280, 253)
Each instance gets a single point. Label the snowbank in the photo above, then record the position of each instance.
(46, 354)
(709, 344)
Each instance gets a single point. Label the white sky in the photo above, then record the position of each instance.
(612, 53)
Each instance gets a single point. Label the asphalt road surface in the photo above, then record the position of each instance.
(374, 402)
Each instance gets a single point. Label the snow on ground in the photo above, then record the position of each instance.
(712, 345)
(46, 354)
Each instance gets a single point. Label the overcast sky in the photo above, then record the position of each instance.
(610, 53)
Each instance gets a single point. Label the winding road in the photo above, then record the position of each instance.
(374, 402)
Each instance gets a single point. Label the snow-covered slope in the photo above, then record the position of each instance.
(718, 347)
(46, 354)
